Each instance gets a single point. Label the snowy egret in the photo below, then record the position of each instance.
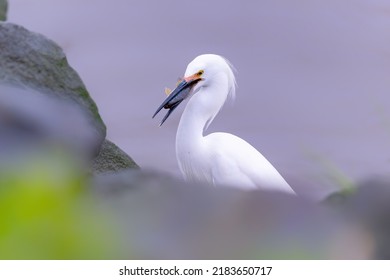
(217, 158)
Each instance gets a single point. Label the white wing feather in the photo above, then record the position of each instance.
(235, 162)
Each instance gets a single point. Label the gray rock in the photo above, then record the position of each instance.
(112, 159)
(3, 10)
(31, 61)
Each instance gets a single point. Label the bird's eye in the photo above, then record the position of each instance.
(200, 73)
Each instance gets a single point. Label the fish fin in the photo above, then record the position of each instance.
(179, 80)
(167, 91)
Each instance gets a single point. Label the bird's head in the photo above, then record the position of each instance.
(201, 72)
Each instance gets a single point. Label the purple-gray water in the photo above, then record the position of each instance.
(313, 85)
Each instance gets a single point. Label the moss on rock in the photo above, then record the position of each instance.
(3, 10)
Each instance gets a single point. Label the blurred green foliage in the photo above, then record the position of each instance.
(346, 186)
(46, 212)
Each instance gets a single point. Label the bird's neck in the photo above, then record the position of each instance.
(200, 112)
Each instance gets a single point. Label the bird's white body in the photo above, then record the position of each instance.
(219, 158)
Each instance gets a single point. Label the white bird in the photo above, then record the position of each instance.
(218, 158)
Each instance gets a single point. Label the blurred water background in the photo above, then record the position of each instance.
(313, 85)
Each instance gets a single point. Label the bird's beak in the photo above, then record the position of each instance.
(181, 92)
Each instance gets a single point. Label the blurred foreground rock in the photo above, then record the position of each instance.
(168, 219)
(44, 102)
(137, 214)
(3, 10)
(370, 207)
(28, 118)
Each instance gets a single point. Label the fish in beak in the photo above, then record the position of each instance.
(181, 92)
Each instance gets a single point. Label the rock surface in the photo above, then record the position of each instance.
(112, 159)
(3, 10)
(31, 61)
(43, 101)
